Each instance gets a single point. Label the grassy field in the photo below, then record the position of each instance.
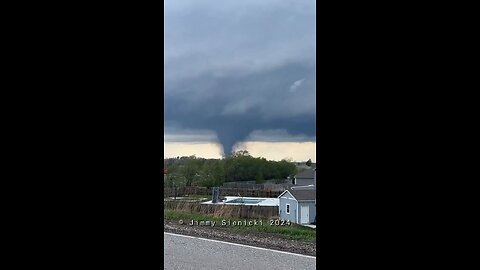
(292, 231)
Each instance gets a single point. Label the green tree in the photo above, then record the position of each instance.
(190, 170)
(219, 173)
(241, 153)
(259, 178)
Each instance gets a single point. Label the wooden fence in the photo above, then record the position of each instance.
(243, 192)
(227, 211)
(182, 191)
(264, 186)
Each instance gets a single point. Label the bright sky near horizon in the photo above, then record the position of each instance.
(270, 150)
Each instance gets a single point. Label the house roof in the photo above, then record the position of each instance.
(306, 174)
(302, 194)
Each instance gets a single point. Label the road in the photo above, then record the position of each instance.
(186, 252)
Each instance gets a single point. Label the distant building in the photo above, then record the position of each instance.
(305, 178)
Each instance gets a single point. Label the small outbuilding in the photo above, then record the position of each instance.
(298, 206)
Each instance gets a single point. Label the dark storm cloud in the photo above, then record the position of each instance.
(235, 67)
(189, 136)
(279, 135)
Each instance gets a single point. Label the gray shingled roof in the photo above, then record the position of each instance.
(306, 174)
(304, 195)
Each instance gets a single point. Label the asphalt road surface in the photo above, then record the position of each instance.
(186, 252)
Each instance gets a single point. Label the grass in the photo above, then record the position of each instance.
(293, 231)
(177, 215)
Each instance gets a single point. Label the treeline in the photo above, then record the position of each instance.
(240, 166)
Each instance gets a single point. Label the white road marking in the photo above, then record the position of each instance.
(235, 244)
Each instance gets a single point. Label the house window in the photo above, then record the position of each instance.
(288, 209)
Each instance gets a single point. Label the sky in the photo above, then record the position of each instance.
(240, 75)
